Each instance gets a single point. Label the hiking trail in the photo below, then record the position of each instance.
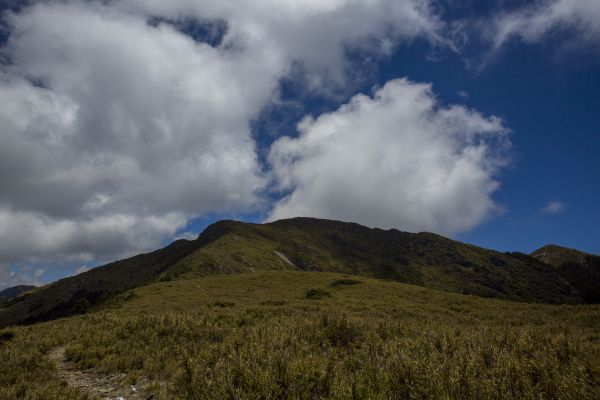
(103, 386)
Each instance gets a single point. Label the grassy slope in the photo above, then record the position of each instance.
(76, 294)
(257, 335)
(423, 259)
(311, 245)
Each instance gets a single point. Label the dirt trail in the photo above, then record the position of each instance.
(102, 386)
(284, 258)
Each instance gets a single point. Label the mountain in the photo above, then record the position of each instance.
(581, 270)
(308, 244)
(76, 294)
(12, 292)
(558, 255)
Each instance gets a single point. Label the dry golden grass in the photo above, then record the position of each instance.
(259, 336)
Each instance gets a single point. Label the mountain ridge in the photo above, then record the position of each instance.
(10, 293)
(308, 244)
(581, 269)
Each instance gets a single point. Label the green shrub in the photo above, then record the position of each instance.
(344, 282)
(6, 336)
(222, 304)
(272, 303)
(316, 294)
(339, 332)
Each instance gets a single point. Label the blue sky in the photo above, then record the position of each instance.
(127, 124)
(551, 103)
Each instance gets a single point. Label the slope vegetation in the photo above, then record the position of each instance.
(582, 270)
(423, 259)
(306, 335)
(15, 291)
(307, 244)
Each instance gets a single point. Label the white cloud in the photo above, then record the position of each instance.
(24, 275)
(35, 235)
(115, 132)
(554, 207)
(396, 159)
(545, 17)
(81, 269)
(313, 32)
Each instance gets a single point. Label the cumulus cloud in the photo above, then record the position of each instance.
(545, 17)
(314, 33)
(554, 207)
(118, 127)
(396, 159)
(39, 235)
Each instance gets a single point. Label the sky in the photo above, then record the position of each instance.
(127, 124)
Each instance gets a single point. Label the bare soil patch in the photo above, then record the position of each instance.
(101, 386)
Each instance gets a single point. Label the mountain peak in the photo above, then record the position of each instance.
(556, 255)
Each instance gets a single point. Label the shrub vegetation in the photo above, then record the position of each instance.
(259, 336)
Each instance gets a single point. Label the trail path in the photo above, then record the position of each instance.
(102, 386)
(284, 258)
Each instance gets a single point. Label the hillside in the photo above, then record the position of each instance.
(76, 294)
(290, 335)
(558, 255)
(422, 259)
(12, 292)
(306, 244)
(581, 269)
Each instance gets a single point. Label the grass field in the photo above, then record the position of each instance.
(308, 335)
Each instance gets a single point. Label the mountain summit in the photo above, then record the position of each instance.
(581, 269)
